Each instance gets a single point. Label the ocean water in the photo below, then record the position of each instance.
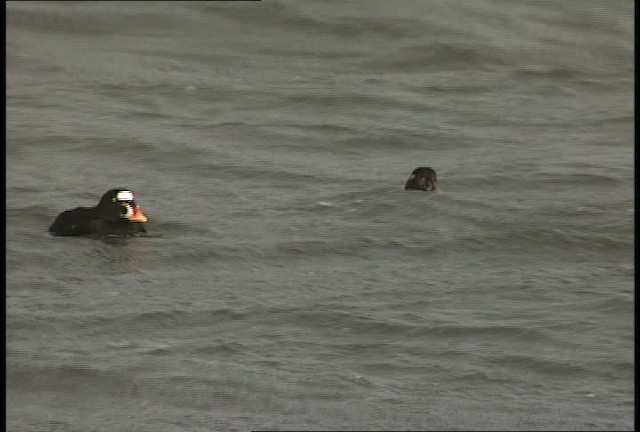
(289, 282)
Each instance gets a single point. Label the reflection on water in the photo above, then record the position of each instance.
(123, 255)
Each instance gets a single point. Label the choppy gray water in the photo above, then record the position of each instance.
(292, 283)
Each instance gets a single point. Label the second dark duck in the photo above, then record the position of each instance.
(422, 178)
(117, 213)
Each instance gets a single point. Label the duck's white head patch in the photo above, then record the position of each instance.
(124, 196)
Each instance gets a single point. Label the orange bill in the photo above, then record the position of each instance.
(137, 215)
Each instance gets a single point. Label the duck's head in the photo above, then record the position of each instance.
(422, 178)
(120, 204)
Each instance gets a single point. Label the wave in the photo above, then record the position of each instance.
(292, 17)
(439, 56)
(75, 18)
(538, 364)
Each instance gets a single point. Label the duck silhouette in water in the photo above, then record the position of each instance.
(117, 213)
(422, 178)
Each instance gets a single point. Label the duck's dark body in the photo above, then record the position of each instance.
(422, 178)
(109, 217)
(84, 221)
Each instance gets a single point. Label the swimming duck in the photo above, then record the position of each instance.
(117, 213)
(422, 178)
